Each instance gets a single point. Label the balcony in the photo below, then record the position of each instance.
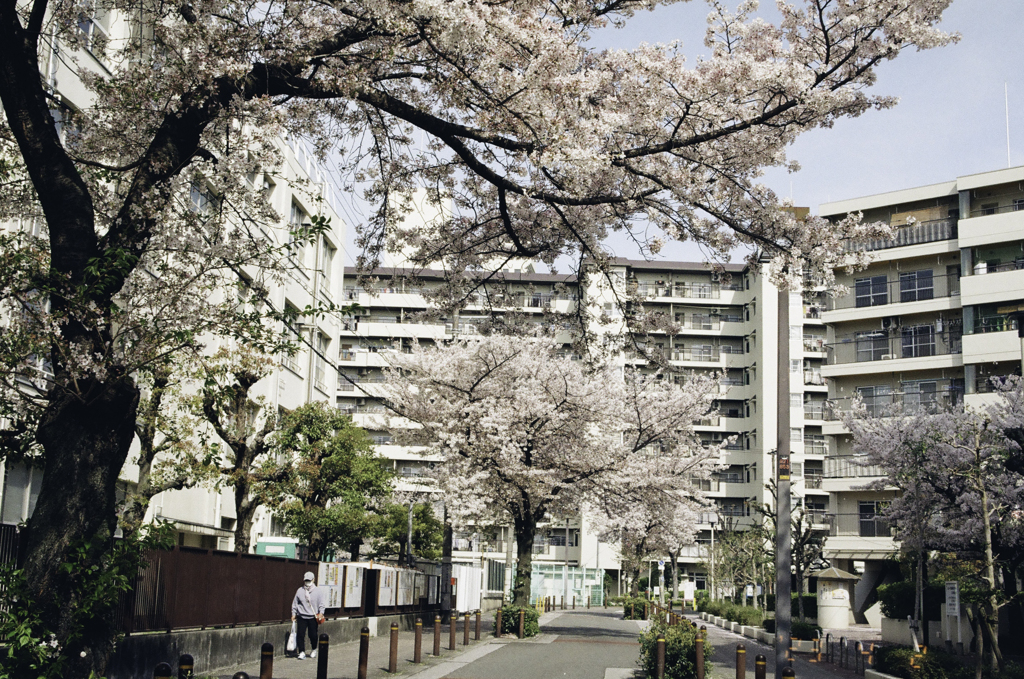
(697, 354)
(812, 481)
(814, 378)
(851, 467)
(911, 234)
(861, 525)
(814, 344)
(814, 411)
(815, 445)
(914, 286)
(884, 345)
(940, 395)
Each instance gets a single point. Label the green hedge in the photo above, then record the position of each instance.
(810, 605)
(634, 608)
(745, 615)
(806, 631)
(680, 651)
(510, 620)
(897, 600)
(935, 664)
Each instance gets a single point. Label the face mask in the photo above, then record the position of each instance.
(308, 584)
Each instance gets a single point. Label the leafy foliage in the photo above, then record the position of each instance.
(635, 608)
(897, 600)
(680, 651)
(510, 620)
(323, 477)
(97, 575)
(391, 531)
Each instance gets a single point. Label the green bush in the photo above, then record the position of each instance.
(810, 605)
(897, 600)
(701, 599)
(510, 620)
(807, 631)
(680, 651)
(744, 615)
(634, 608)
(896, 660)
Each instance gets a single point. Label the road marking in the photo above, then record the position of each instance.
(619, 673)
(448, 666)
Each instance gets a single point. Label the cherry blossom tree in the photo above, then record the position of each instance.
(524, 432)
(146, 212)
(958, 493)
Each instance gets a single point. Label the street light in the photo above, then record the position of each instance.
(711, 518)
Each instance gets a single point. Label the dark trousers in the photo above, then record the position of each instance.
(306, 625)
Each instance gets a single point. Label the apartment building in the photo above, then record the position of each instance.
(297, 190)
(930, 322)
(727, 326)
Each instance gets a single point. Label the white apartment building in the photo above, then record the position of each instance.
(929, 322)
(727, 326)
(297, 190)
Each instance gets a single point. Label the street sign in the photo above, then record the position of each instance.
(953, 598)
(661, 563)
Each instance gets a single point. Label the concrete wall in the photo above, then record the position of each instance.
(216, 649)
(898, 632)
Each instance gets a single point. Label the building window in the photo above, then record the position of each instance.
(319, 363)
(872, 346)
(796, 365)
(290, 360)
(796, 435)
(872, 525)
(916, 286)
(298, 225)
(876, 399)
(920, 395)
(871, 291)
(918, 340)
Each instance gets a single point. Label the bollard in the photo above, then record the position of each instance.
(871, 656)
(859, 659)
(437, 635)
(162, 671)
(364, 651)
(522, 624)
(563, 602)
(267, 661)
(476, 636)
(604, 600)
(393, 650)
(588, 603)
(700, 656)
(497, 625)
(465, 630)
(828, 647)
(659, 667)
(239, 675)
(630, 610)
(417, 649)
(574, 602)
(760, 667)
(842, 651)
(453, 629)
(741, 661)
(185, 663)
(817, 645)
(322, 647)
(788, 673)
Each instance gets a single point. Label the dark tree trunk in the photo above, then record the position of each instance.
(86, 442)
(526, 529)
(245, 512)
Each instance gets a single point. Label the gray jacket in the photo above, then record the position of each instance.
(308, 604)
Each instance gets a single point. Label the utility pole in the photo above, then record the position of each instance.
(408, 543)
(565, 580)
(783, 544)
(446, 565)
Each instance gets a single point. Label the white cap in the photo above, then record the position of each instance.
(307, 577)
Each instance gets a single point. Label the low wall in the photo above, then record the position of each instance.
(898, 632)
(222, 648)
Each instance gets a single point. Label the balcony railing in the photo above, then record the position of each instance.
(814, 344)
(988, 384)
(851, 467)
(943, 396)
(982, 268)
(812, 480)
(912, 234)
(883, 345)
(813, 377)
(908, 287)
(814, 411)
(814, 446)
(699, 354)
(1015, 205)
(862, 525)
(995, 323)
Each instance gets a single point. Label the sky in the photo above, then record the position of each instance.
(951, 119)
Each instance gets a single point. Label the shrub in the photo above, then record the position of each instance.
(701, 599)
(897, 600)
(810, 605)
(510, 620)
(769, 625)
(634, 608)
(807, 631)
(744, 615)
(896, 660)
(680, 651)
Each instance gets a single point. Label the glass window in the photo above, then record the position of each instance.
(871, 291)
(876, 399)
(916, 286)
(918, 340)
(920, 395)
(872, 346)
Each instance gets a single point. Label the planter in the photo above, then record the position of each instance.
(749, 632)
(801, 646)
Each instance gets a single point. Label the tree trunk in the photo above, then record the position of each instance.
(800, 594)
(526, 529)
(245, 512)
(86, 442)
(990, 620)
(675, 573)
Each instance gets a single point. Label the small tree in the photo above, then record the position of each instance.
(525, 432)
(391, 533)
(323, 478)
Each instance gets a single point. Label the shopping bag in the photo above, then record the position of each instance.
(292, 643)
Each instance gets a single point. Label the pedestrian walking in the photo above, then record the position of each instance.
(308, 610)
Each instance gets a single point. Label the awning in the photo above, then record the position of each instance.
(202, 529)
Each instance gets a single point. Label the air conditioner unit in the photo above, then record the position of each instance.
(716, 312)
(887, 357)
(715, 276)
(890, 322)
(360, 401)
(363, 372)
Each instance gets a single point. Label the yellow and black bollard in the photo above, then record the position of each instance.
(364, 651)
(185, 664)
(437, 634)
(760, 667)
(659, 666)
(267, 661)
(393, 650)
(417, 649)
(323, 647)
(162, 671)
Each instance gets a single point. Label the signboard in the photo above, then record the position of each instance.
(953, 598)
(420, 587)
(433, 582)
(332, 595)
(750, 591)
(353, 595)
(330, 574)
(661, 563)
(784, 468)
(405, 588)
(387, 588)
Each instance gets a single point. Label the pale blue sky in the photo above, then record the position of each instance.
(950, 120)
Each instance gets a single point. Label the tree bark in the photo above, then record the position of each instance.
(245, 512)
(990, 619)
(86, 442)
(526, 529)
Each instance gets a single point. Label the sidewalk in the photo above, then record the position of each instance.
(724, 657)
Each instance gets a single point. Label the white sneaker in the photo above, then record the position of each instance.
(301, 656)
(312, 654)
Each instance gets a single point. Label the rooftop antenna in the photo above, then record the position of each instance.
(1006, 99)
